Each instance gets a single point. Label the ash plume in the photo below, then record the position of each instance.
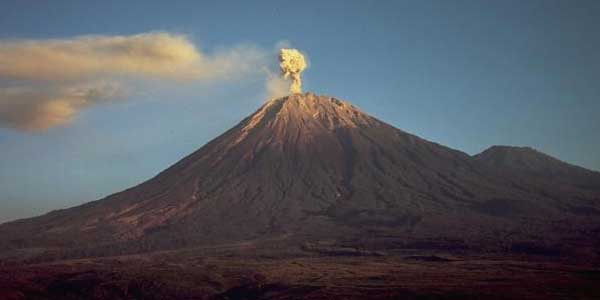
(45, 83)
(292, 63)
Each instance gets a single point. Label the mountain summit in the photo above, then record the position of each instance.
(307, 168)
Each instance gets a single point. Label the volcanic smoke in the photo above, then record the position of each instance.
(292, 64)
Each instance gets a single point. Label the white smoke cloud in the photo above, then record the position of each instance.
(150, 54)
(280, 81)
(276, 86)
(59, 77)
(292, 63)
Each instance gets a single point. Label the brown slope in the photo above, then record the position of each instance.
(310, 167)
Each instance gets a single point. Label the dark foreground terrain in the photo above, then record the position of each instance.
(246, 272)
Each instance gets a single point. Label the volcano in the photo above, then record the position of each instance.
(304, 169)
(310, 198)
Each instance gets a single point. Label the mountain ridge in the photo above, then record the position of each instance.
(307, 168)
(527, 160)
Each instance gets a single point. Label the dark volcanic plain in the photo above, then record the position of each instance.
(310, 198)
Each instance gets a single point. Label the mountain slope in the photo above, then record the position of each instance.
(532, 163)
(309, 168)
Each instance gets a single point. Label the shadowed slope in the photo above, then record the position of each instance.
(532, 163)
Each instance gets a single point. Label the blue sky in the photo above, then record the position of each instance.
(466, 74)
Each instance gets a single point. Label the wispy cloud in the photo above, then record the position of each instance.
(56, 78)
(149, 54)
(37, 109)
(276, 86)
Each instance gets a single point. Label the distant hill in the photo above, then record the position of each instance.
(530, 162)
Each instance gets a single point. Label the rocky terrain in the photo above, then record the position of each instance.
(249, 272)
